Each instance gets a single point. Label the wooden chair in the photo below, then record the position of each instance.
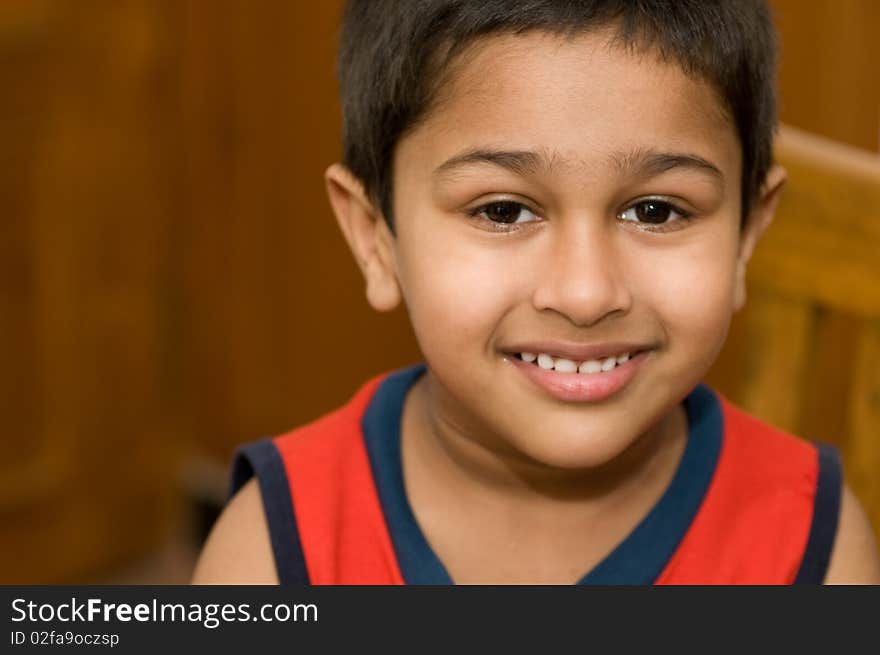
(804, 354)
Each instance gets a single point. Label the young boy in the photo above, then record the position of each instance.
(565, 195)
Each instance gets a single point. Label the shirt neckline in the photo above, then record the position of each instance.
(639, 559)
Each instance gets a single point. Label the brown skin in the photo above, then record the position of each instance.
(508, 483)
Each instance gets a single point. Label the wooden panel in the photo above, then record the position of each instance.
(86, 477)
(863, 455)
(828, 68)
(279, 327)
(24, 455)
(828, 382)
(824, 241)
(778, 337)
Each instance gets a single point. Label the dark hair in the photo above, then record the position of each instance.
(393, 55)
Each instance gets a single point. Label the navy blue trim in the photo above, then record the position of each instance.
(261, 458)
(381, 427)
(639, 559)
(826, 512)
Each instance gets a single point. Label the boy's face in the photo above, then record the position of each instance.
(589, 244)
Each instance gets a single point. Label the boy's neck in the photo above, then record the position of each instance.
(493, 519)
(460, 463)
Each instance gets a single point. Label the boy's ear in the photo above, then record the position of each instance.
(367, 234)
(758, 220)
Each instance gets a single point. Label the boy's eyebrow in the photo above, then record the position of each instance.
(643, 162)
(639, 162)
(521, 162)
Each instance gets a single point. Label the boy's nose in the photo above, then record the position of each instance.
(583, 277)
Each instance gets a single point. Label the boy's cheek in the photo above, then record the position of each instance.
(456, 303)
(695, 305)
(448, 283)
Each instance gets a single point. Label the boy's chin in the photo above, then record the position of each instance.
(618, 446)
(582, 452)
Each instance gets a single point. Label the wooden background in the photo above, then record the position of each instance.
(171, 279)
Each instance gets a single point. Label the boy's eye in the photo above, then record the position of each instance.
(653, 212)
(505, 212)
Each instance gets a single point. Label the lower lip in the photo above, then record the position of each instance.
(582, 387)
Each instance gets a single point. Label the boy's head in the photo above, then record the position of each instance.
(553, 175)
(395, 57)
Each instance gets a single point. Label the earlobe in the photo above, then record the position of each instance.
(363, 228)
(758, 221)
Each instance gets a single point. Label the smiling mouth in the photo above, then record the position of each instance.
(586, 367)
(590, 380)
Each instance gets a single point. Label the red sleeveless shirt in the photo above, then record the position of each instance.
(749, 504)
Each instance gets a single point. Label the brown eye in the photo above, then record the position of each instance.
(654, 212)
(505, 212)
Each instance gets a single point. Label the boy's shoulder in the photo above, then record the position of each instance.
(855, 558)
(771, 463)
(238, 549)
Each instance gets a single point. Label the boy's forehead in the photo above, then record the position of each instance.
(493, 62)
(567, 99)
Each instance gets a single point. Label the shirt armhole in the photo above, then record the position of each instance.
(262, 459)
(826, 512)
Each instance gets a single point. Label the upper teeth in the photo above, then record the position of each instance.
(563, 365)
